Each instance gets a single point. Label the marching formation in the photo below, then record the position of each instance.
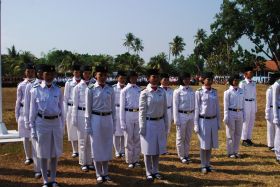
(100, 118)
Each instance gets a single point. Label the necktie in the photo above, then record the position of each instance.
(165, 88)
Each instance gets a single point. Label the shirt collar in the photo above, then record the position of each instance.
(248, 81)
(232, 88)
(44, 85)
(205, 89)
(97, 85)
(183, 87)
(149, 88)
(119, 85)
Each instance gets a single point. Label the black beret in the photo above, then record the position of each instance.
(232, 78)
(164, 75)
(207, 75)
(152, 72)
(100, 68)
(248, 68)
(184, 75)
(48, 68)
(132, 73)
(86, 68)
(121, 73)
(39, 67)
(29, 66)
(76, 67)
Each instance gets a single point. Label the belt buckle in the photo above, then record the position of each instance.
(238, 110)
(102, 113)
(134, 110)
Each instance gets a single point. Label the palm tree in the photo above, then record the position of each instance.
(200, 36)
(138, 45)
(12, 52)
(177, 46)
(128, 41)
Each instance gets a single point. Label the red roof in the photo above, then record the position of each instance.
(270, 65)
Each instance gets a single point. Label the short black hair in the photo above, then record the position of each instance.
(232, 78)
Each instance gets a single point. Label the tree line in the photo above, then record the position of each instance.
(219, 51)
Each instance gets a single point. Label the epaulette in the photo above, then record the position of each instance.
(69, 80)
(36, 85)
(199, 89)
(278, 81)
(90, 86)
(142, 89)
(114, 85)
(214, 89)
(244, 81)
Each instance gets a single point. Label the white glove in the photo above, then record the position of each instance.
(225, 120)
(196, 129)
(26, 125)
(142, 131)
(34, 134)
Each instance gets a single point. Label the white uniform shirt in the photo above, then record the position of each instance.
(129, 99)
(183, 99)
(169, 96)
(276, 101)
(79, 97)
(117, 89)
(27, 96)
(268, 106)
(233, 99)
(20, 97)
(152, 104)
(68, 92)
(207, 104)
(46, 101)
(99, 99)
(249, 88)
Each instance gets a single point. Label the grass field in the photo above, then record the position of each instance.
(257, 167)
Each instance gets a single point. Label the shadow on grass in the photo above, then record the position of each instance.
(7, 183)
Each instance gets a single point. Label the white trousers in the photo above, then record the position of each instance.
(118, 142)
(183, 138)
(250, 115)
(233, 133)
(151, 164)
(270, 133)
(101, 168)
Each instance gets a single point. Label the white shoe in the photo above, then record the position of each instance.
(204, 170)
(137, 164)
(118, 155)
(130, 166)
(184, 160)
(85, 169)
(75, 155)
(99, 180)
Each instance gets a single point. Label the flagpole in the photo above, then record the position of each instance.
(3, 129)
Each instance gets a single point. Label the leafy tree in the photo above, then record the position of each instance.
(177, 46)
(127, 62)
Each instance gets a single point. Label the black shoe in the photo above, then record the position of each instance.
(277, 161)
(157, 176)
(122, 155)
(107, 178)
(91, 167)
(271, 149)
(37, 175)
(75, 155)
(85, 168)
(137, 165)
(150, 178)
(28, 161)
(209, 169)
(245, 143)
(55, 184)
(250, 142)
(49, 184)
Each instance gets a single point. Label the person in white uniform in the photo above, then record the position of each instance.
(129, 117)
(24, 129)
(207, 120)
(72, 130)
(100, 122)
(250, 107)
(78, 119)
(153, 123)
(118, 139)
(165, 84)
(269, 113)
(233, 115)
(26, 112)
(47, 123)
(276, 117)
(183, 114)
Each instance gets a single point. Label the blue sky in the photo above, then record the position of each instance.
(99, 26)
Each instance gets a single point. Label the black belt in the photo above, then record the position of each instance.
(169, 107)
(70, 104)
(249, 99)
(235, 109)
(132, 110)
(48, 117)
(207, 117)
(82, 108)
(186, 112)
(272, 107)
(117, 105)
(101, 113)
(154, 119)
(21, 105)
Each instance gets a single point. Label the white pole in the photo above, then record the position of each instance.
(3, 129)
